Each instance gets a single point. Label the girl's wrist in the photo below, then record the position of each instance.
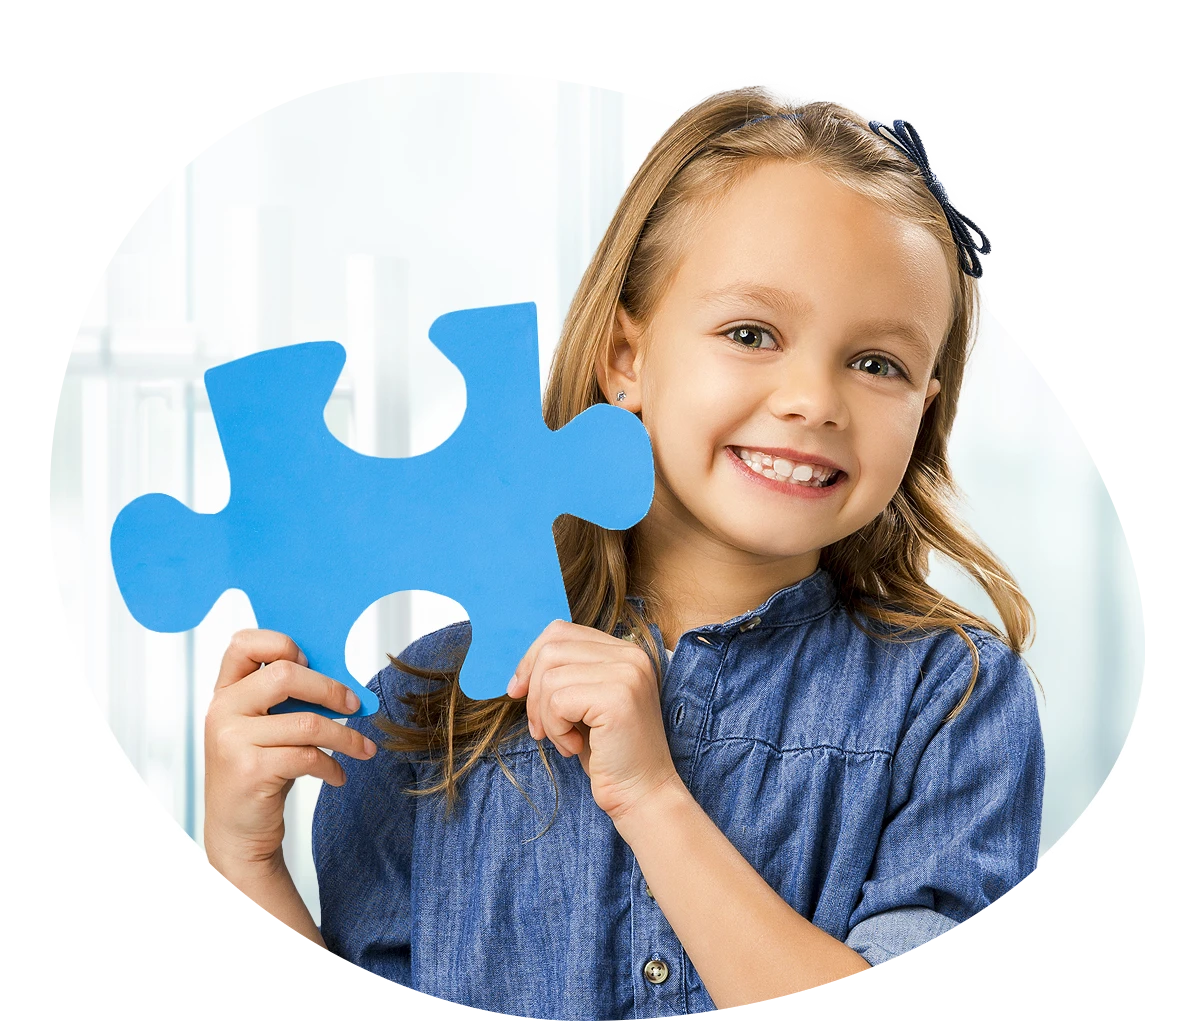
(641, 815)
(241, 870)
(268, 883)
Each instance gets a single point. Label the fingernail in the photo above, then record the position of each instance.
(303, 659)
(369, 745)
(512, 685)
(352, 701)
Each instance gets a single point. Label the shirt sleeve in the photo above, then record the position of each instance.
(964, 815)
(362, 844)
(363, 831)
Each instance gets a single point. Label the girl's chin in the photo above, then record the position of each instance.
(802, 556)
(798, 548)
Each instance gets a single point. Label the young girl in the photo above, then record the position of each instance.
(765, 753)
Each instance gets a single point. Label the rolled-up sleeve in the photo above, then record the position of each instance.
(964, 814)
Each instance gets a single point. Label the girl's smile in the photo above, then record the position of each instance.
(787, 472)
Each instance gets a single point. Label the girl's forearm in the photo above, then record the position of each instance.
(745, 941)
(271, 887)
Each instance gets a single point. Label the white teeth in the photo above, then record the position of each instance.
(779, 468)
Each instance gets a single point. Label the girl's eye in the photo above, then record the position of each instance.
(877, 366)
(751, 336)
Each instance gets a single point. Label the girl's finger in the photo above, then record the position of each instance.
(574, 708)
(556, 656)
(308, 729)
(547, 702)
(560, 629)
(249, 649)
(576, 644)
(293, 762)
(277, 681)
(519, 684)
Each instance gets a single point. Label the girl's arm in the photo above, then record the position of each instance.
(272, 889)
(596, 697)
(252, 758)
(746, 942)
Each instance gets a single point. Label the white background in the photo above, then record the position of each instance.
(1075, 144)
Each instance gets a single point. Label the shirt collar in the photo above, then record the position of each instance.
(805, 599)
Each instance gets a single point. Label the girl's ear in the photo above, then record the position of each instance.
(618, 366)
(935, 386)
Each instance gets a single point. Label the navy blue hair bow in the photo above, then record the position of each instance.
(904, 137)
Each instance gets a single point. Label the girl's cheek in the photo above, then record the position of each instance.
(898, 431)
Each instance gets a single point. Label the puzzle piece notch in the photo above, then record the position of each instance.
(314, 532)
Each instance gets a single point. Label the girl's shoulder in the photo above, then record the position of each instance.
(931, 671)
(950, 654)
(935, 654)
(976, 677)
(440, 651)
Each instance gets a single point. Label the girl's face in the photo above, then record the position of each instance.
(784, 375)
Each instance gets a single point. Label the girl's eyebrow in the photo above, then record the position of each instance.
(899, 328)
(742, 292)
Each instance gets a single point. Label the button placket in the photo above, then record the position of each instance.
(698, 657)
(657, 956)
(666, 986)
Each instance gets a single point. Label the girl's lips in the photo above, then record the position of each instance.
(783, 487)
(790, 454)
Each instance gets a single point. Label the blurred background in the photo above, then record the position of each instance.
(361, 214)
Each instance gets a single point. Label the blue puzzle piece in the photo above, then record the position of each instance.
(314, 532)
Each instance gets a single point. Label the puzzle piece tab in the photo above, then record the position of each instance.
(314, 532)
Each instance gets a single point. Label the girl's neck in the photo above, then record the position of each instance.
(690, 582)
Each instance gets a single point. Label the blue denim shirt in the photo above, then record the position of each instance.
(822, 754)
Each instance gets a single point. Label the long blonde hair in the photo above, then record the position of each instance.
(880, 570)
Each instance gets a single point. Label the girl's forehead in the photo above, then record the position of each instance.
(791, 238)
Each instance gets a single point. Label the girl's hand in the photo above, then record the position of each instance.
(597, 697)
(251, 758)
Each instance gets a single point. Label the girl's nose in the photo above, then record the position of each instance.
(808, 393)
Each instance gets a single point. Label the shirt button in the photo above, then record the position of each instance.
(656, 971)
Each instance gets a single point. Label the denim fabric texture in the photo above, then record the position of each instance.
(822, 754)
